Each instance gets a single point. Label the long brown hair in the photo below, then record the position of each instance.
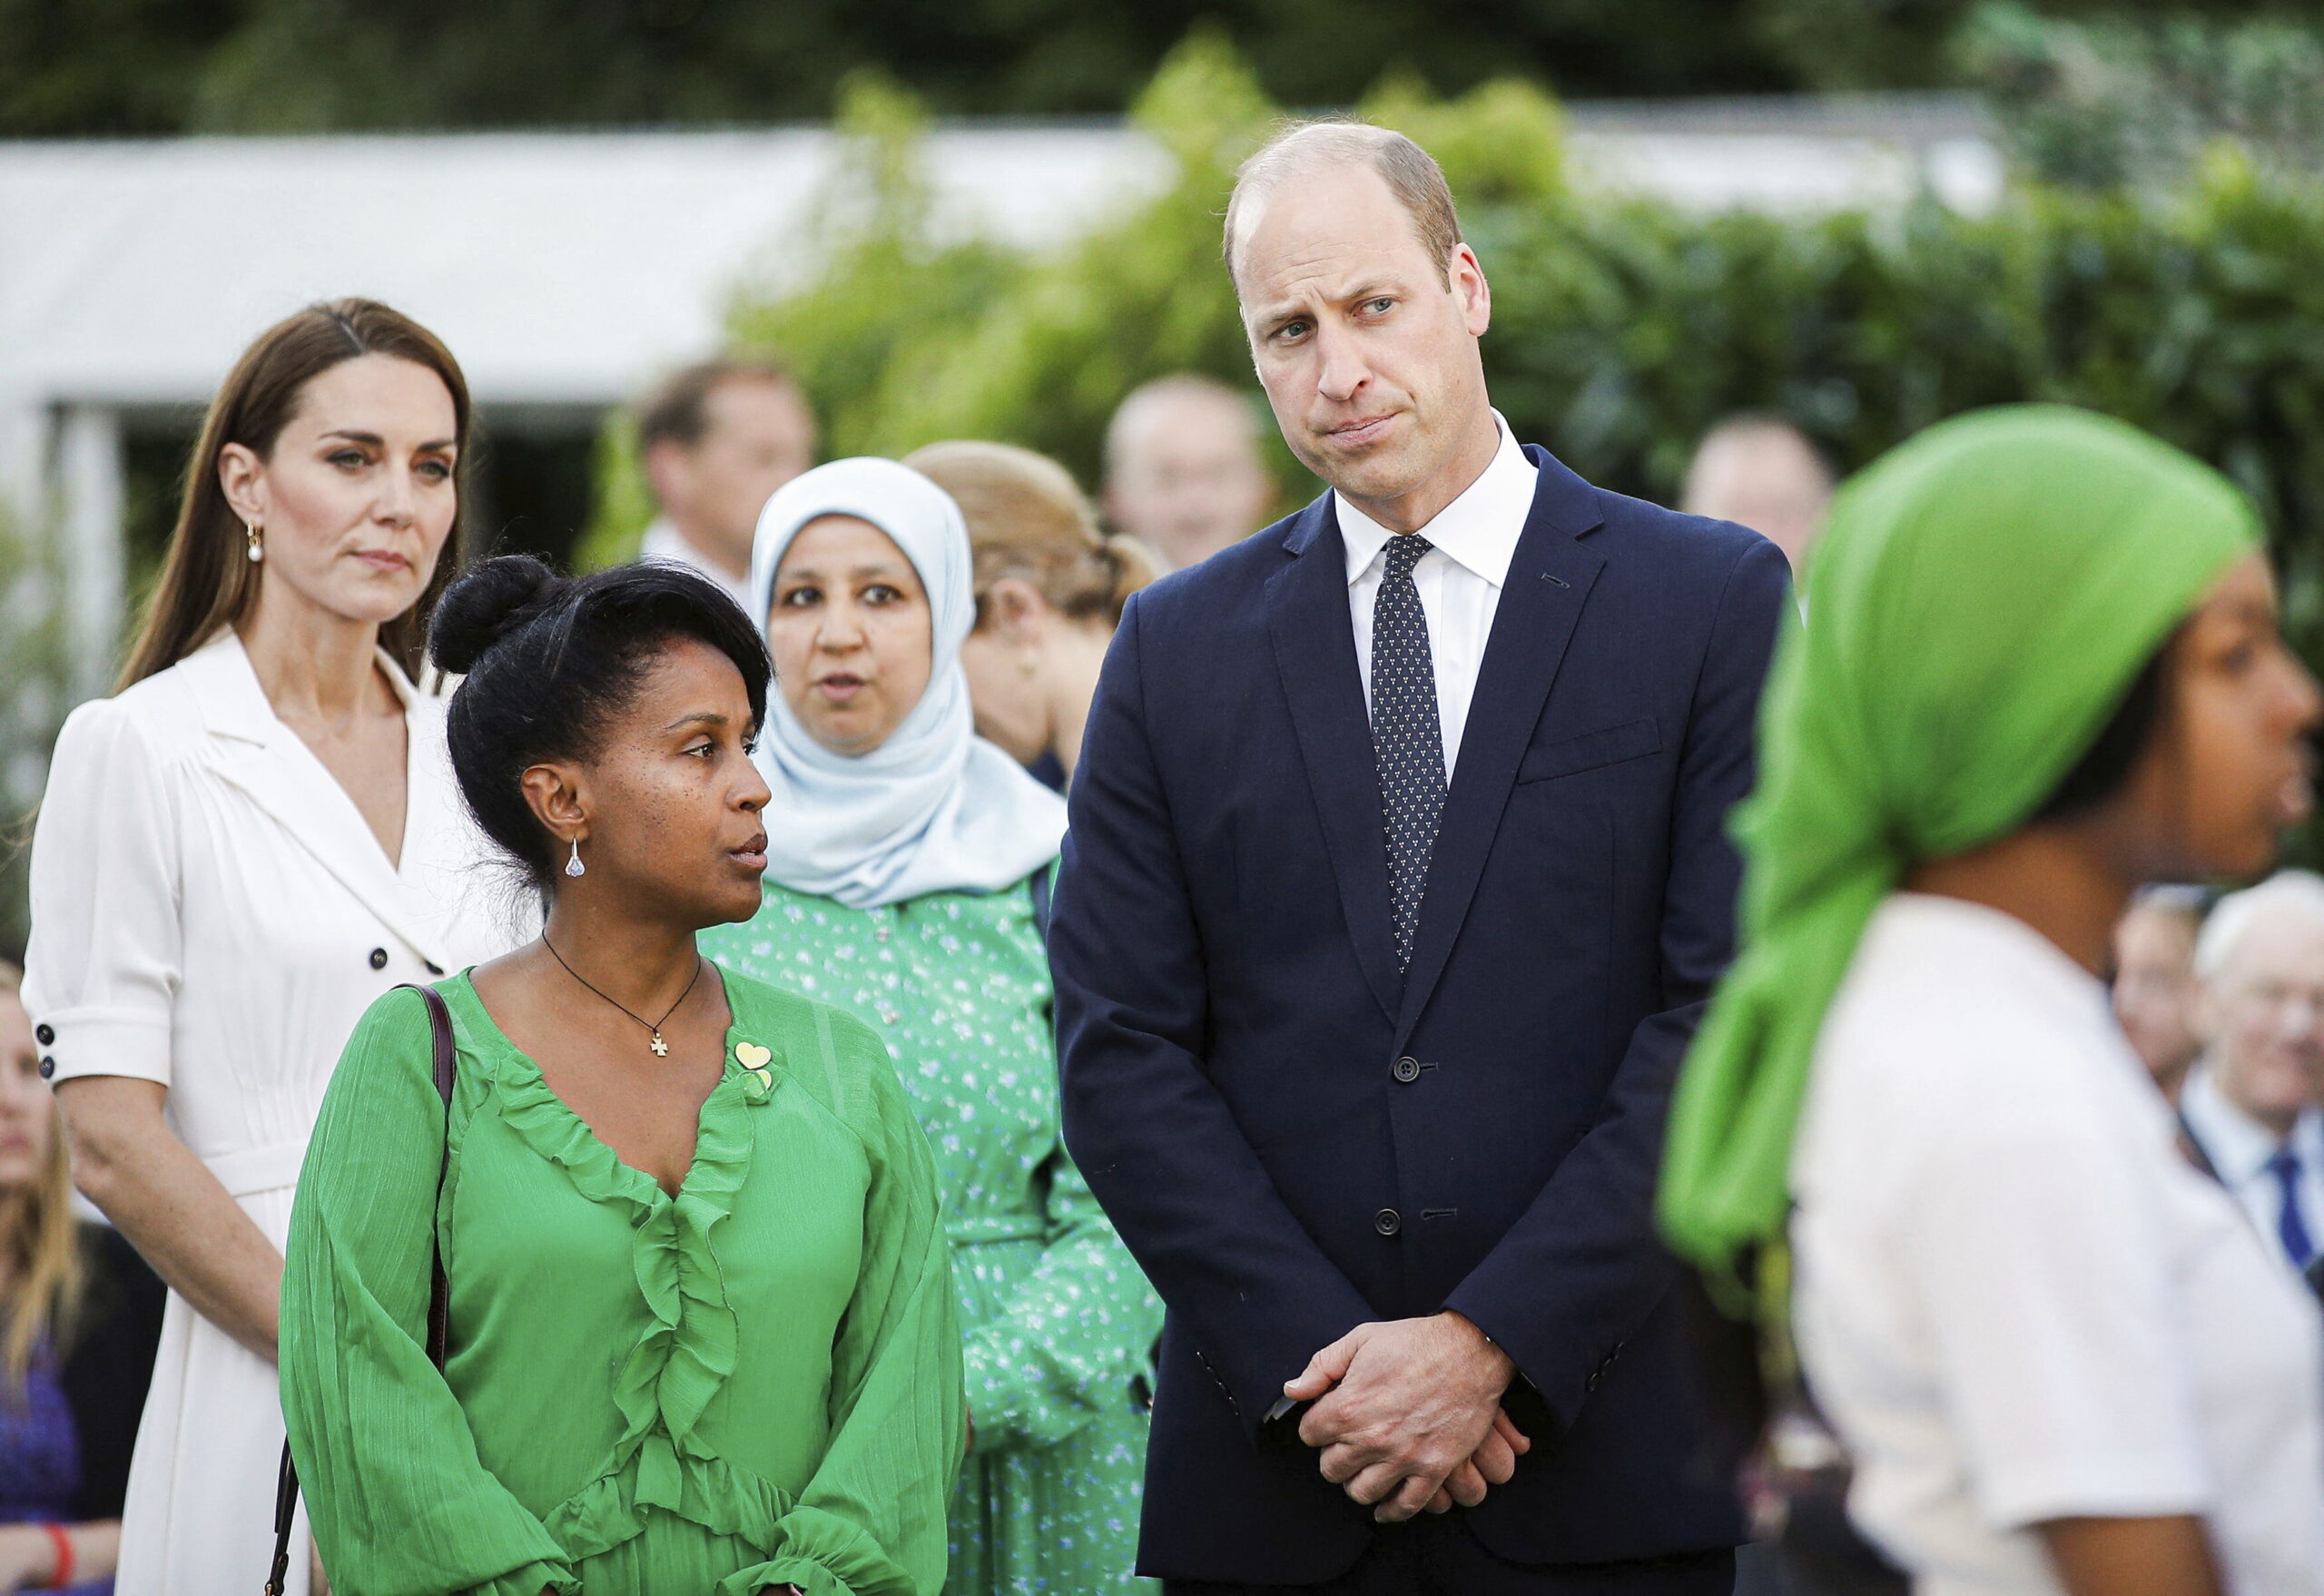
(1029, 518)
(208, 582)
(43, 1247)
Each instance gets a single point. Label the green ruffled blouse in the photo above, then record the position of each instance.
(754, 1383)
(1060, 1321)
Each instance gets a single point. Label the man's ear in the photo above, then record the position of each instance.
(2204, 1016)
(1467, 281)
(553, 790)
(667, 464)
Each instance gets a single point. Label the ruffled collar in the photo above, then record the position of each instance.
(687, 1352)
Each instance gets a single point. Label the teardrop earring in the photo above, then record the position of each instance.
(574, 866)
(256, 547)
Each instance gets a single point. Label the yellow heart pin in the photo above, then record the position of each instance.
(751, 1056)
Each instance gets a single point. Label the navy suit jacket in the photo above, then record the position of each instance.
(1291, 1138)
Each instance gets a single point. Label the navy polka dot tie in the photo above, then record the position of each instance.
(1407, 742)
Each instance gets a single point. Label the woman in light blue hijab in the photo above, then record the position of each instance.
(907, 864)
(884, 799)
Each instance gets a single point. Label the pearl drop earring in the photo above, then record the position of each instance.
(255, 548)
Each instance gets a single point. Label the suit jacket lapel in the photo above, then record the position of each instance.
(266, 760)
(1549, 578)
(1314, 653)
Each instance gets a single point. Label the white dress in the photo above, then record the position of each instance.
(212, 911)
(2016, 1300)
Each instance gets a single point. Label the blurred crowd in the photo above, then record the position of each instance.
(819, 737)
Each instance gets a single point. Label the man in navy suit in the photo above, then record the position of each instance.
(1396, 882)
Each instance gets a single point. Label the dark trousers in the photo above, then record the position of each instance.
(1435, 1555)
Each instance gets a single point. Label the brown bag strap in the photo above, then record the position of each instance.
(439, 1286)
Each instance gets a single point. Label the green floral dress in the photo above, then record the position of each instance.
(1060, 1325)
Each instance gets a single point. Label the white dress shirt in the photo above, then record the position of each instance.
(1473, 539)
(2014, 1297)
(665, 542)
(2239, 1147)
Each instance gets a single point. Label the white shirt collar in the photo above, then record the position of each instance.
(664, 541)
(234, 703)
(1478, 531)
(2238, 1145)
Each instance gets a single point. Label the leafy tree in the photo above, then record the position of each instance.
(2120, 99)
(1623, 327)
(106, 66)
(116, 66)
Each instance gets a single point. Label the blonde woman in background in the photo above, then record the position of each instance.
(1049, 590)
(78, 1315)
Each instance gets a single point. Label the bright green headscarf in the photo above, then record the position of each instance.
(1983, 598)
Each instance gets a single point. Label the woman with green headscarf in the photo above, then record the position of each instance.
(2042, 668)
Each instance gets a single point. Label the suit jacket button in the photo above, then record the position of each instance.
(1408, 1070)
(47, 1068)
(1387, 1221)
(47, 1036)
(379, 958)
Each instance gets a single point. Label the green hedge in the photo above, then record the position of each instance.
(2202, 317)
(1622, 327)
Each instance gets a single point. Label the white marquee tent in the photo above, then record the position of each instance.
(567, 269)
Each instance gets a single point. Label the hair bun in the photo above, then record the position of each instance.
(487, 605)
(1134, 565)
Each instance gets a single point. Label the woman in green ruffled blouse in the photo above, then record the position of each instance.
(903, 886)
(702, 1336)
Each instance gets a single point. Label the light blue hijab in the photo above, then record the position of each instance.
(935, 808)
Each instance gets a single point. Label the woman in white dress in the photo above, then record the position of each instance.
(240, 851)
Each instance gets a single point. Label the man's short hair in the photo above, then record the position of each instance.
(1410, 171)
(678, 407)
(1753, 427)
(1177, 385)
(2230, 923)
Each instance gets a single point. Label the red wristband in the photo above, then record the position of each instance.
(63, 1544)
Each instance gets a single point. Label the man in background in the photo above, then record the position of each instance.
(1761, 472)
(1182, 469)
(717, 439)
(2250, 1105)
(2154, 981)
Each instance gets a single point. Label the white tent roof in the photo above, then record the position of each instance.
(561, 267)
(571, 267)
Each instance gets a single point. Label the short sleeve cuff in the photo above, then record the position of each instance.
(2121, 1484)
(996, 1395)
(1015, 1400)
(75, 1042)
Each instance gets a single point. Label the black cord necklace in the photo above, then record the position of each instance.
(661, 1048)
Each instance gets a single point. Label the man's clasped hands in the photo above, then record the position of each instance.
(1407, 1414)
